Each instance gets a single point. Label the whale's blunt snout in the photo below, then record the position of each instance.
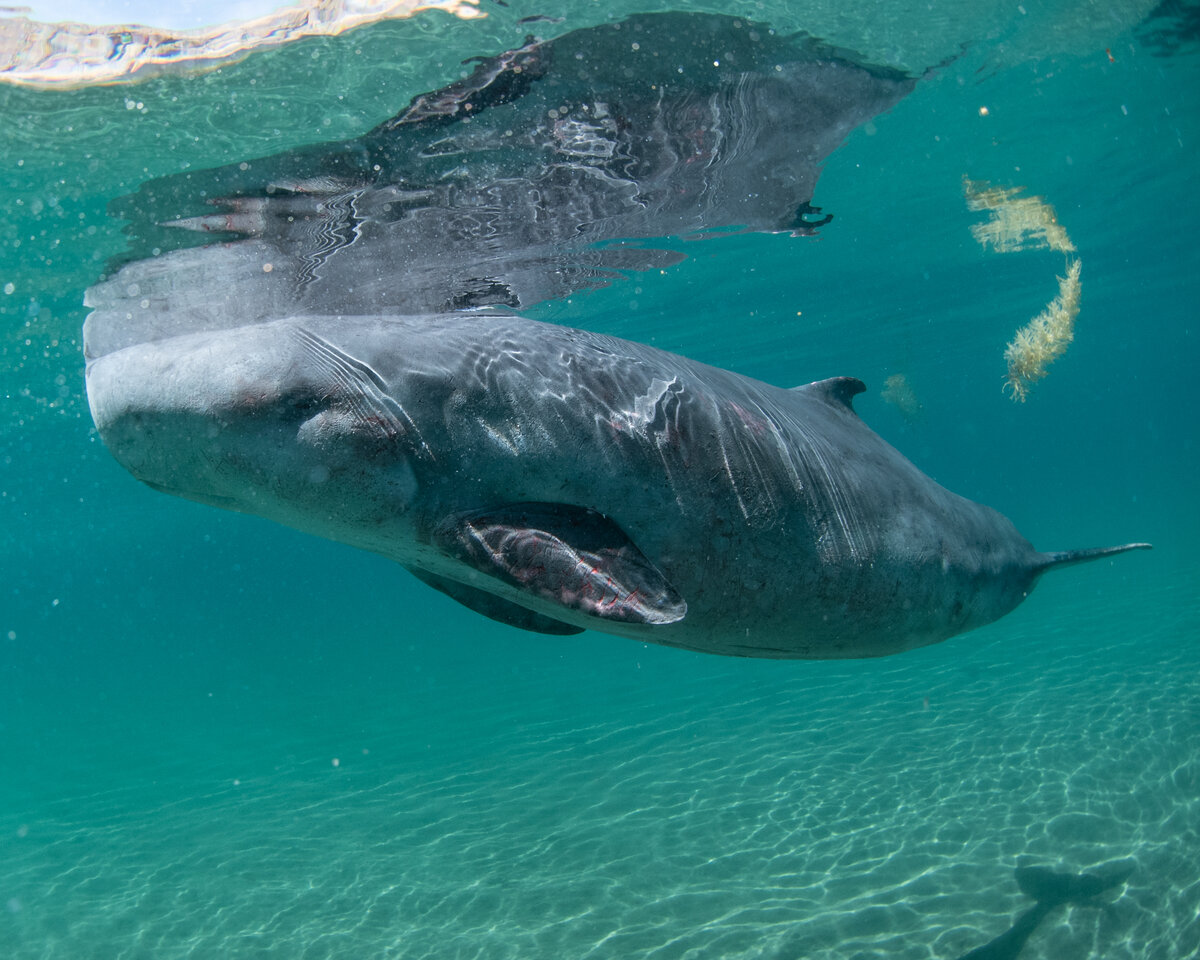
(120, 411)
(169, 411)
(141, 423)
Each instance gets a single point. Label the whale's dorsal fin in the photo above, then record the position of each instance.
(839, 391)
(569, 555)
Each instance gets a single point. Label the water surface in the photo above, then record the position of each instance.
(222, 738)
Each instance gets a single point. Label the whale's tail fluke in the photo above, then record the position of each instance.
(1063, 558)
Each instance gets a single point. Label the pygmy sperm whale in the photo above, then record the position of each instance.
(559, 480)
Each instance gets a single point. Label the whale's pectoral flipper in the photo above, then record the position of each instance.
(566, 554)
(494, 607)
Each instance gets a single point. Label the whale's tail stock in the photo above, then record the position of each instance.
(1064, 558)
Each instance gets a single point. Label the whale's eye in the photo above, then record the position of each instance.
(301, 404)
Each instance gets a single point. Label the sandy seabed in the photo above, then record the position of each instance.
(708, 808)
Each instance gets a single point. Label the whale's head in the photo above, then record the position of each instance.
(355, 429)
(270, 419)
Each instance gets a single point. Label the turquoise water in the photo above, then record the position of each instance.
(224, 739)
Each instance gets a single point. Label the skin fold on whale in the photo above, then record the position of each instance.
(559, 480)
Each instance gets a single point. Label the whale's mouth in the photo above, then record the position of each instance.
(208, 499)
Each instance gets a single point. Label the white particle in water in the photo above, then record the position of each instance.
(9, 288)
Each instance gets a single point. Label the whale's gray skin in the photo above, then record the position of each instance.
(554, 167)
(558, 480)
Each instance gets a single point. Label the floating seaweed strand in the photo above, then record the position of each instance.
(1044, 338)
(1028, 223)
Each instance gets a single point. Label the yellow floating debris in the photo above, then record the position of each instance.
(1014, 222)
(899, 393)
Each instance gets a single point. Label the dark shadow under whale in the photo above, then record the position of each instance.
(1051, 890)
